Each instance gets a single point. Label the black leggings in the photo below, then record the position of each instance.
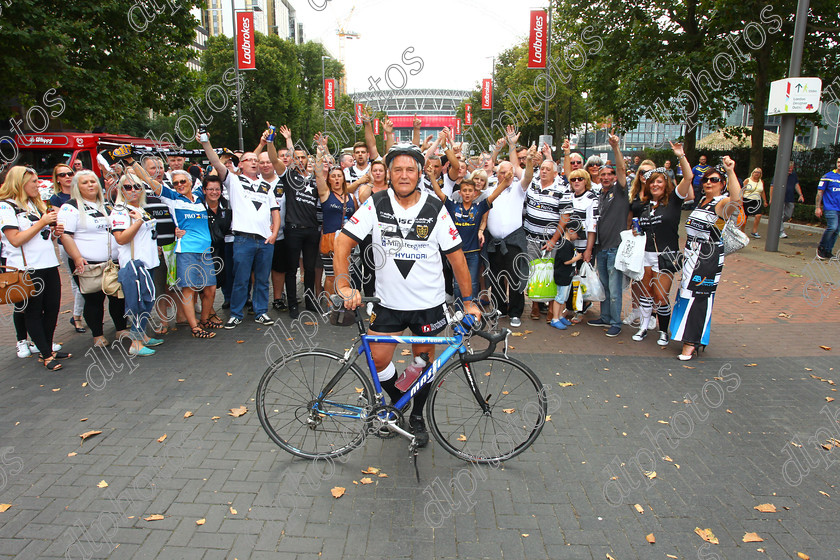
(19, 320)
(94, 311)
(41, 311)
(306, 241)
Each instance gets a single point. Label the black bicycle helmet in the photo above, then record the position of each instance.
(405, 149)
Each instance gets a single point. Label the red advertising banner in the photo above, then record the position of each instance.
(375, 126)
(245, 46)
(358, 113)
(468, 114)
(537, 40)
(329, 94)
(487, 93)
(457, 126)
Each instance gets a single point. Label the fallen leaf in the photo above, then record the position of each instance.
(566, 384)
(309, 323)
(752, 537)
(750, 365)
(229, 374)
(72, 454)
(83, 420)
(56, 390)
(154, 517)
(181, 380)
(516, 334)
(766, 508)
(825, 494)
(338, 492)
(89, 434)
(639, 508)
(4, 507)
(462, 437)
(487, 374)
(650, 474)
(609, 556)
(802, 556)
(729, 411)
(528, 332)
(706, 535)
(667, 458)
(201, 521)
(508, 410)
(237, 412)
(370, 470)
(526, 535)
(215, 417)
(84, 384)
(161, 438)
(548, 417)
(233, 511)
(577, 333)
(359, 389)
(662, 421)
(829, 399)
(826, 348)
(356, 482)
(187, 414)
(366, 480)
(382, 475)
(505, 392)
(689, 367)
(650, 538)
(240, 341)
(102, 484)
(671, 556)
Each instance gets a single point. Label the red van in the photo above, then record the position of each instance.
(44, 151)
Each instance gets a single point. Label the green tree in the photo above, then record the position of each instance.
(105, 58)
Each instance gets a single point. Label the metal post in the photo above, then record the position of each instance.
(236, 76)
(547, 57)
(324, 87)
(492, 96)
(786, 133)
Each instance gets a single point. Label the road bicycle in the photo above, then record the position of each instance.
(484, 408)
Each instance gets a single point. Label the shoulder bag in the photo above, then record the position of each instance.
(16, 285)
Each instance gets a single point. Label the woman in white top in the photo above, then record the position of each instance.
(87, 239)
(25, 227)
(754, 200)
(134, 230)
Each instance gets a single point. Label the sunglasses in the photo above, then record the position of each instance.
(576, 162)
(179, 183)
(65, 174)
(576, 179)
(248, 159)
(133, 187)
(712, 180)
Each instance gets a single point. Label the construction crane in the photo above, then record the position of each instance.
(343, 33)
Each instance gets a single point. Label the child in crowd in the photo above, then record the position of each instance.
(564, 269)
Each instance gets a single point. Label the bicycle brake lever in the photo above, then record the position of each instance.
(506, 342)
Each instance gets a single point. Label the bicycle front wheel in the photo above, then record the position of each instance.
(516, 409)
(288, 408)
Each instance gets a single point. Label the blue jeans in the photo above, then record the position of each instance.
(250, 254)
(473, 263)
(613, 282)
(830, 234)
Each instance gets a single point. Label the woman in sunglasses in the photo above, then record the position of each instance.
(704, 257)
(87, 241)
(62, 181)
(25, 232)
(337, 206)
(134, 230)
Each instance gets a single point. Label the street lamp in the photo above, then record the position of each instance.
(236, 70)
(585, 94)
(324, 85)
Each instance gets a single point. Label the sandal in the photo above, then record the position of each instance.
(212, 322)
(51, 364)
(162, 331)
(57, 356)
(199, 332)
(79, 329)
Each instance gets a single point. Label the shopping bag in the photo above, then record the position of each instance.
(630, 258)
(590, 284)
(577, 294)
(541, 286)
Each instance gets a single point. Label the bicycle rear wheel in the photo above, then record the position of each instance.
(289, 413)
(516, 415)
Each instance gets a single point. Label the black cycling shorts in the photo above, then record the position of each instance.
(426, 322)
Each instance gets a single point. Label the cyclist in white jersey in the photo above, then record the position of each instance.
(412, 229)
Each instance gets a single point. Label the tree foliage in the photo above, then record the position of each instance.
(95, 55)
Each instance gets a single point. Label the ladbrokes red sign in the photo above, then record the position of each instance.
(537, 41)
(467, 114)
(358, 113)
(245, 46)
(486, 93)
(329, 94)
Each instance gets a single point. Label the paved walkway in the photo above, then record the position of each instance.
(749, 423)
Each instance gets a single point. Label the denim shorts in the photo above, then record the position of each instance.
(563, 294)
(195, 270)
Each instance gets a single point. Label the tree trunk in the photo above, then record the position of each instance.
(762, 59)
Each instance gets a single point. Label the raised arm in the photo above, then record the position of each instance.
(370, 137)
(427, 143)
(320, 176)
(140, 171)
(620, 169)
(454, 164)
(279, 166)
(500, 143)
(529, 166)
(388, 127)
(415, 136)
(434, 146)
(567, 157)
(212, 157)
(512, 137)
(688, 175)
(546, 152)
(500, 188)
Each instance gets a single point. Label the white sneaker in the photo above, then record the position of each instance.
(663, 339)
(23, 350)
(652, 323)
(515, 322)
(32, 348)
(640, 336)
(632, 318)
(783, 236)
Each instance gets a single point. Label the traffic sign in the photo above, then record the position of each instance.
(795, 95)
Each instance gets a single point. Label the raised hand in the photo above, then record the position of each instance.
(366, 116)
(417, 122)
(512, 135)
(285, 132)
(677, 148)
(567, 147)
(614, 140)
(387, 125)
(728, 164)
(532, 153)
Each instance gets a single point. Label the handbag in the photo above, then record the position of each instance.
(16, 284)
(541, 285)
(590, 284)
(102, 277)
(733, 238)
(630, 257)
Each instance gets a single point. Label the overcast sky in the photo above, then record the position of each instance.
(454, 38)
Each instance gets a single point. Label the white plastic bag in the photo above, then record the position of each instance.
(590, 284)
(630, 258)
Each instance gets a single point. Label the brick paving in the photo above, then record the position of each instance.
(739, 427)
